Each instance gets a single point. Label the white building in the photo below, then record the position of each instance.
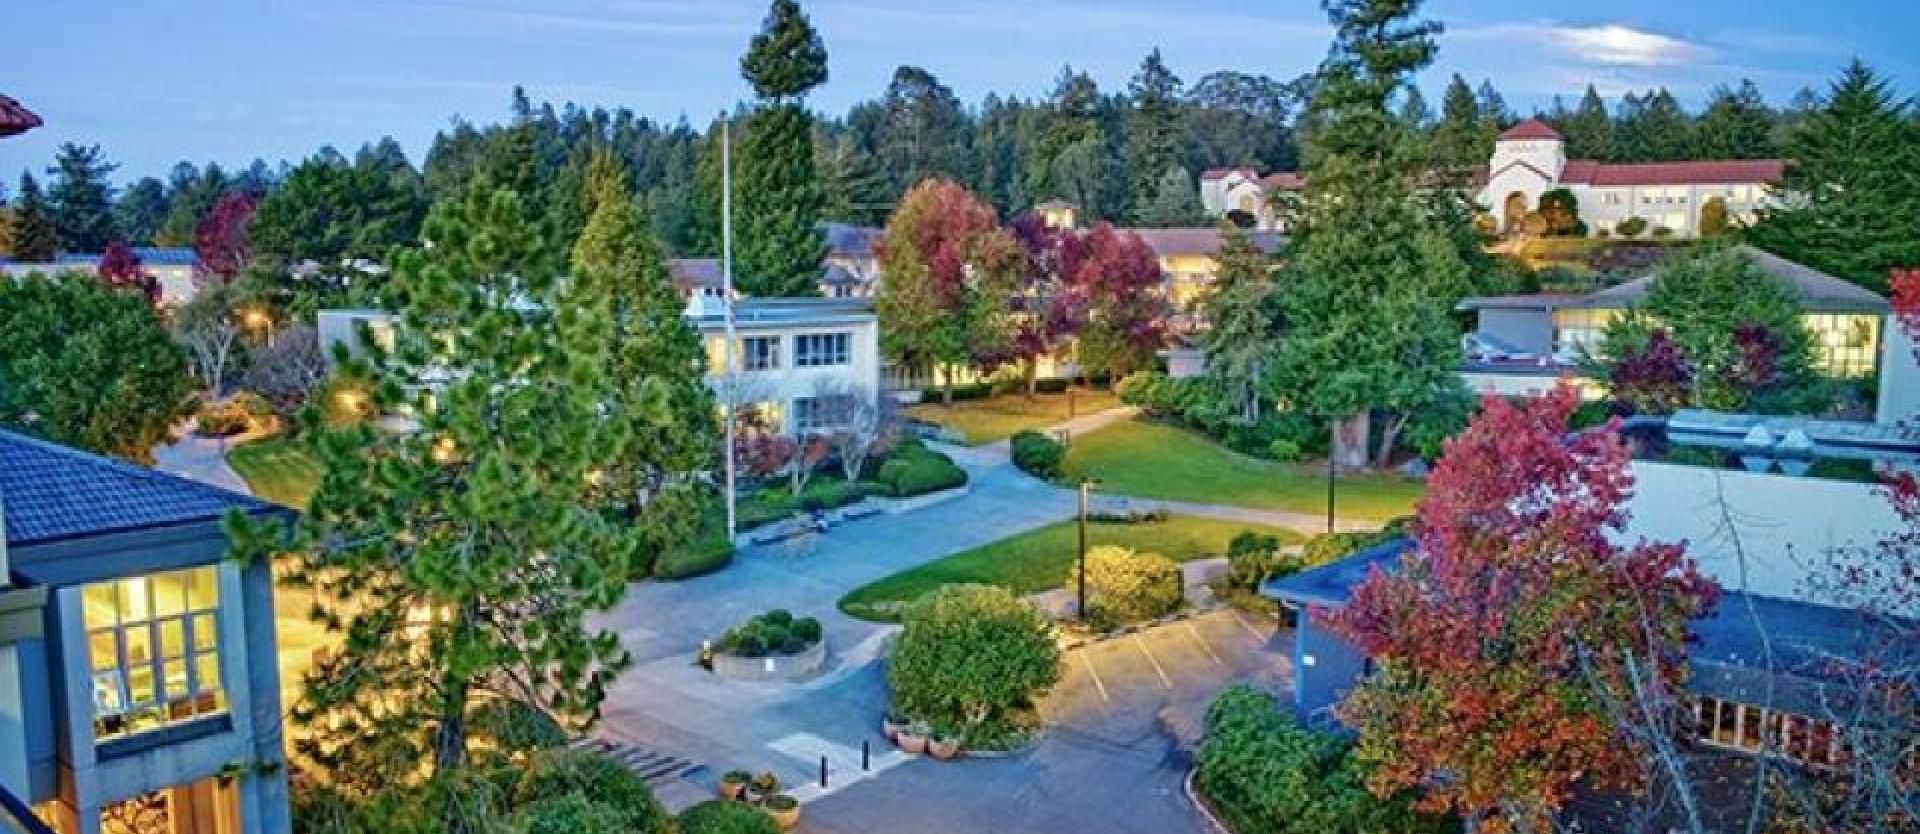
(175, 268)
(1246, 197)
(799, 357)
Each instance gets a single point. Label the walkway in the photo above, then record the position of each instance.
(202, 459)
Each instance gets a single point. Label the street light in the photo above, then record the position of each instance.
(1080, 606)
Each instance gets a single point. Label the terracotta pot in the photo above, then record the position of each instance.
(732, 790)
(889, 728)
(786, 819)
(943, 749)
(910, 744)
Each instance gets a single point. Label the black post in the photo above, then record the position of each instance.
(866, 755)
(823, 772)
(1081, 610)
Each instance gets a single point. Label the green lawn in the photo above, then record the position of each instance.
(277, 470)
(997, 418)
(1038, 560)
(1153, 460)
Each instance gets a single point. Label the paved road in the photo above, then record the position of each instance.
(202, 459)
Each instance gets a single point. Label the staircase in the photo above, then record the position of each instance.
(656, 768)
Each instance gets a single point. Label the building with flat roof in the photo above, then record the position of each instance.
(137, 661)
(176, 268)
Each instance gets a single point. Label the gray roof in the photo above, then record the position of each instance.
(1168, 243)
(1520, 301)
(53, 493)
(1818, 291)
(845, 240)
(688, 273)
(751, 312)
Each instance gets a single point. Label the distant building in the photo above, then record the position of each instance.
(1522, 344)
(138, 665)
(176, 268)
(851, 268)
(1529, 160)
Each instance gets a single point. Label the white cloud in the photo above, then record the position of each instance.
(1613, 44)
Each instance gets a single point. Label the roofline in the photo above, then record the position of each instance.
(269, 509)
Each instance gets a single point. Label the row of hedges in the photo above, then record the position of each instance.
(775, 632)
(1264, 774)
(970, 662)
(995, 387)
(1037, 454)
(913, 469)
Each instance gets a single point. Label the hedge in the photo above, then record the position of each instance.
(914, 469)
(775, 632)
(717, 816)
(1126, 586)
(1037, 454)
(616, 801)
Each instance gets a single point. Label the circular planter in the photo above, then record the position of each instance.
(786, 818)
(942, 749)
(911, 744)
(776, 667)
(732, 790)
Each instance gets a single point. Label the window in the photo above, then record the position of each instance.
(1747, 727)
(153, 646)
(814, 414)
(760, 353)
(819, 350)
(1844, 346)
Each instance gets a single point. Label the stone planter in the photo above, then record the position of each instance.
(910, 744)
(777, 667)
(733, 789)
(943, 749)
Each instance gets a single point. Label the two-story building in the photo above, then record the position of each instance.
(138, 672)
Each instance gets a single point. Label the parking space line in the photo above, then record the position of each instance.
(1250, 629)
(1203, 644)
(1101, 687)
(1164, 680)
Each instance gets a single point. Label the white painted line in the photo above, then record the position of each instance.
(843, 763)
(1203, 644)
(1250, 629)
(1096, 675)
(1164, 680)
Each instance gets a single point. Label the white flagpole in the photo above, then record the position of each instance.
(731, 384)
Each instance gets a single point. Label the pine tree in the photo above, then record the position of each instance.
(1461, 140)
(1588, 130)
(1852, 185)
(1653, 128)
(140, 210)
(32, 237)
(1156, 134)
(1069, 127)
(191, 192)
(657, 364)
(1367, 327)
(1414, 110)
(460, 560)
(1493, 107)
(1737, 124)
(856, 187)
(922, 130)
(1175, 203)
(82, 198)
(1242, 312)
(779, 248)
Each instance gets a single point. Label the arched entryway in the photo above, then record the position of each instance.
(1514, 212)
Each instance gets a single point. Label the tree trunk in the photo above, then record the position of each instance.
(1347, 441)
(1389, 436)
(450, 740)
(947, 392)
(1031, 372)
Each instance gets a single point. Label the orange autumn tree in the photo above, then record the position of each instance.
(1509, 636)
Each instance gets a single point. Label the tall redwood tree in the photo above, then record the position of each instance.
(1509, 637)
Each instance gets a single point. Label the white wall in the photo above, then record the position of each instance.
(1899, 376)
(177, 285)
(1773, 532)
(789, 382)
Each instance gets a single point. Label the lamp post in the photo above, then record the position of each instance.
(731, 384)
(1080, 605)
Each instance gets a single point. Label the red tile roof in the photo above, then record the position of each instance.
(1284, 181)
(1222, 173)
(1708, 172)
(15, 118)
(1531, 129)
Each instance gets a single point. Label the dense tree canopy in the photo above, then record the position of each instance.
(950, 271)
(31, 235)
(82, 198)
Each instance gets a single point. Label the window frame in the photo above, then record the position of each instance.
(823, 350)
(767, 360)
(176, 651)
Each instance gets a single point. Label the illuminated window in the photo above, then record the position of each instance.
(812, 414)
(1747, 727)
(153, 647)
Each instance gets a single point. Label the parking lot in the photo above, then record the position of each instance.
(1109, 760)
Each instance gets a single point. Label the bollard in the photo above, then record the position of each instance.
(823, 772)
(866, 755)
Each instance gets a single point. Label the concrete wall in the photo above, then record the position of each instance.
(1325, 669)
(1779, 528)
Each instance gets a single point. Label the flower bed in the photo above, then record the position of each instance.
(771, 646)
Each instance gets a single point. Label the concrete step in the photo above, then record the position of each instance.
(652, 766)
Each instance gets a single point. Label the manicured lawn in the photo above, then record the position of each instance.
(1152, 460)
(1038, 560)
(277, 470)
(997, 418)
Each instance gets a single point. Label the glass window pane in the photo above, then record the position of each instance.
(173, 638)
(106, 694)
(206, 634)
(103, 652)
(139, 643)
(207, 666)
(133, 599)
(140, 685)
(169, 593)
(205, 589)
(174, 674)
(100, 607)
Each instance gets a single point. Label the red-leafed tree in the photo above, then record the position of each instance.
(1651, 378)
(1126, 309)
(223, 238)
(120, 268)
(950, 272)
(1048, 309)
(1509, 636)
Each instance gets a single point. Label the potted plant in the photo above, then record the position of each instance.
(890, 724)
(784, 809)
(912, 738)
(942, 746)
(733, 783)
(763, 786)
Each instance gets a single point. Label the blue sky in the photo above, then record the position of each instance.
(155, 81)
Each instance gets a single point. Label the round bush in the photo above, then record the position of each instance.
(1125, 586)
(721, 817)
(1137, 388)
(920, 474)
(969, 658)
(1037, 454)
(775, 632)
(1284, 450)
(1252, 558)
(622, 798)
(571, 814)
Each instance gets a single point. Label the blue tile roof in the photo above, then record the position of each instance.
(148, 255)
(52, 493)
(1331, 584)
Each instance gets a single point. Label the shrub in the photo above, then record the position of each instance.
(1125, 586)
(224, 419)
(1329, 547)
(1662, 232)
(1037, 454)
(970, 659)
(1253, 558)
(1266, 775)
(775, 632)
(961, 393)
(916, 470)
(619, 798)
(722, 817)
(1057, 385)
(1631, 227)
(1283, 450)
(1140, 388)
(1157, 515)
